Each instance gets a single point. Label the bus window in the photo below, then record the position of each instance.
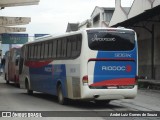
(35, 51)
(42, 50)
(68, 48)
(121, 40)
(32, 51)
(74, 51)
(79, 45)
(46, 50)
(76, 45)
(50, 49)
(26, 53)
(54, 54)
(64, 47)
(28, 47)
(39, 51)
(59, 48)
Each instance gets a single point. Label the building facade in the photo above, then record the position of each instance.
(100, 17)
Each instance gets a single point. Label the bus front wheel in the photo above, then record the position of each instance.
(61, 99)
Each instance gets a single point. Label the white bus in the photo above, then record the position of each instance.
(96, 64)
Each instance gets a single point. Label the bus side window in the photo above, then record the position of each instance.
(50, 49)
(59, 48)
(54, 53)
(74, 48)
(39, 51)
(35, 51)
(42, 50)
(76, 45)
(79, 42)
(46, 50)
(28, 57)
(29, 52)
(64, 47)
(68, 48)
(26, 52)
(32, 51)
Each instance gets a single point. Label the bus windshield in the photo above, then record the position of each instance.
(111, 40)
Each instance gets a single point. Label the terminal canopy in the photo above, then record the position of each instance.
(13, 21)
(11, 29)
(10, 3)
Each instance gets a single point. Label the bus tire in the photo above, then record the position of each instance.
(102, 102)
(29, 92)
(7, 81)
(61, 99)
(16, 82)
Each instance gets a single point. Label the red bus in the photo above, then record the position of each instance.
(11, 66)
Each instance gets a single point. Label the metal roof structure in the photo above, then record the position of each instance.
(145, 16)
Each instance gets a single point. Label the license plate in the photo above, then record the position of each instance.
(112, 87)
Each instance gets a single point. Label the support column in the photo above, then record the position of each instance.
(152, 54)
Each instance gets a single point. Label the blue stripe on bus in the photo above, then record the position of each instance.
(44, 79)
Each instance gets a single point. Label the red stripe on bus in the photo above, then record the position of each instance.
(116, 82)
(37, 64)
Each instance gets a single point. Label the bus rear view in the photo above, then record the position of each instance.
(111, 64)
